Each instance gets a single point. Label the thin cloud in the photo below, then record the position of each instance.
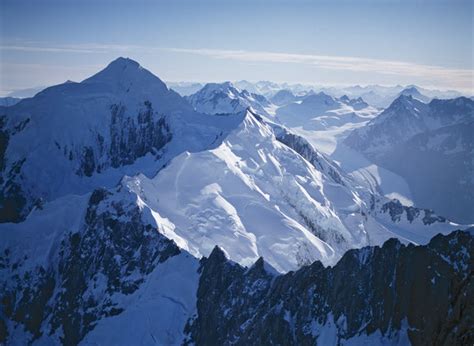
(354, 64)
(79, 48)
(463, 78)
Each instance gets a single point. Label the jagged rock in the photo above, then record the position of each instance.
(424, 293)
(111, 254)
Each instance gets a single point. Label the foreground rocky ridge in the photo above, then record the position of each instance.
(397, 294)
(100, 274)
(109, 254)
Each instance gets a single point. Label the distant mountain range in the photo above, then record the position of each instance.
(431, 146)
(375, 95)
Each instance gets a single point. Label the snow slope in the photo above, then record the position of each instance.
(321, 111)
(325, 121)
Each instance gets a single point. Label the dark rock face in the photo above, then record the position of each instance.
(112, 254)
(397, 210)
(425, 291)
(12, 197)
(130, 139)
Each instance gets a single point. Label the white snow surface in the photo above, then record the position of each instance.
(243, 196)
(325, 121)
(253, 196)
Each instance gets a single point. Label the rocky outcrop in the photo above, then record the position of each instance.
(424, 293)
(396, 210)
(130, 139)
(127, 138)
(110, 255)
(13, 200)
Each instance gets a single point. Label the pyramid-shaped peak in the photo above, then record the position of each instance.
(411, 90)
(345, 98)
(125, 72)
(403, 99)
(211, 88)
(407, 102)
(123, 62)
(121, 66)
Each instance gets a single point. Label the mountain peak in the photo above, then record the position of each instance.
(345, 98)
(217, 255)
(402, 100)
(125, 73)
(406, 103)
(217, 87)
(124, 62)
(121, 65)
(410, 90)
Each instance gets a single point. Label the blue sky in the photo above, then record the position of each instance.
(429, 43)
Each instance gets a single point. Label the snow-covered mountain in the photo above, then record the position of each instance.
(222, 98)
(414, 93)
(74, 137)
(119, 188)
(415, 139)
(255, 182)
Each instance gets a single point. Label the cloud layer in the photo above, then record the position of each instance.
(460, 78)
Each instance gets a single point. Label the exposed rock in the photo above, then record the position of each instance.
(112, 254)
(424, 292)
(396, 211)
(130, 139)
